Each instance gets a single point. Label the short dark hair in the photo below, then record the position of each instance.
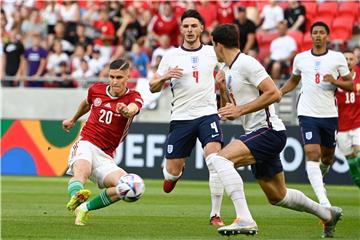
(227, 35)
(119, 64)
(191, 13)
(320, 24)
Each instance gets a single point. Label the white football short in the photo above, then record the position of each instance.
(347, 140)
(101, 163)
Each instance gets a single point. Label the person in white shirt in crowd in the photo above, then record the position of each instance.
(55, 58)
(282, 51)
(164, 46)
(270, 16)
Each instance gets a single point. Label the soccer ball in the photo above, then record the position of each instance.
(133, 187)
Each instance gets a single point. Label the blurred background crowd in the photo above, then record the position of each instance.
(69, 44)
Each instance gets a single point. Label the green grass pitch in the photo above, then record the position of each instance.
(34, 208)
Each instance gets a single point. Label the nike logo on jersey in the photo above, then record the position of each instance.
(214, 135)
(108, 105)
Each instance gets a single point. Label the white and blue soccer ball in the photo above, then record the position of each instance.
(131, 186)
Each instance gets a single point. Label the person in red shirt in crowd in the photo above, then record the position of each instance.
(165, 23)
(225, 11)
(208, 10)
(106, 29)
(348, 137)
(112, 108)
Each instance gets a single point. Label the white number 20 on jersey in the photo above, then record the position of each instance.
(106, 116)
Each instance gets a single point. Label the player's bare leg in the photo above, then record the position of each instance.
(215, 185)
(277, 194)
(113, 193)
(81, 170)
(327, 158)
(173, 169)
(313, 156)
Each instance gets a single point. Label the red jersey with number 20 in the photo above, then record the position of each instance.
(106, 128)
(349, 106)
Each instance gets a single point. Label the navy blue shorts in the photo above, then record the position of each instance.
(265, 145)
(183, 134)
(318, 130)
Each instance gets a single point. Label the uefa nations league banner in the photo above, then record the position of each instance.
(41, 148)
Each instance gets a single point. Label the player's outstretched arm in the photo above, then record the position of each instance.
(224, 92)
(83, 108)
(347, 83)
(158, 82)
(127, 111)
(290, 84)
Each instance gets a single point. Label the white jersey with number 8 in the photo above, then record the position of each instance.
(317, 97)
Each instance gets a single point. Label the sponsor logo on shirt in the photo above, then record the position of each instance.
(108, 105)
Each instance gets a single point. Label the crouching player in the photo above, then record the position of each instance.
(112, 108)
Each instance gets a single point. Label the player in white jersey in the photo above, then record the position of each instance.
(190, 69)
(317, 111)
(254, 94)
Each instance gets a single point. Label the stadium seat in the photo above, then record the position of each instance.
(298, 37)
(349, 9)
(326, 8)
(327, 20)
(265, 38)
(264, 52)
(261, 5)
(310, 8)
(340, 34)
(343, 21)
(307, 42)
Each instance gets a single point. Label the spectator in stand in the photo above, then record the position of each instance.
(35, 58)
(55, 58)
(130, 30)
(107, 32)
(83, 73)
(139, 59)
(165, 23)
(70, 14)
(13, 59)
(81, 37)
(65, 80)
(282, 52)
(32, 25)
(165, 46)
(97, 62)
(270, 16)
(295, 16)
(356, 51)
(247, 28)
(208, 10)
(205, 38)
(59, 35)
(225, 11)
(50, 15)
(77, 56)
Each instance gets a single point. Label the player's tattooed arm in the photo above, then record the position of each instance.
(347, 83)
(158, 82)
(83, 108)
(127, 111)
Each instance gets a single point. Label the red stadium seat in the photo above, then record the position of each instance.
(307, 42)
(340, 34)
(327, 8)
(264, 52)
(327, 20)
(265, 38)
(310, 8)
(261, 5)
(345, 22)
(349, 8)
(298, 37)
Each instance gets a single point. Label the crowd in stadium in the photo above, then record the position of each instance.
(62, 43)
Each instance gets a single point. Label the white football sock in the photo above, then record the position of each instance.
(317, 183)
(296, 200)
(232, 183)
(216, 192)
(168, 176)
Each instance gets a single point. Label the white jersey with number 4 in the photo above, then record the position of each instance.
(246, 75)
(193, 93)
(317, 97)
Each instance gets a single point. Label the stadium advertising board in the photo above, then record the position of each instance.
(32, 147)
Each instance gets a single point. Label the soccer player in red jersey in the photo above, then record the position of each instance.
(348, 137)
(112, 108)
